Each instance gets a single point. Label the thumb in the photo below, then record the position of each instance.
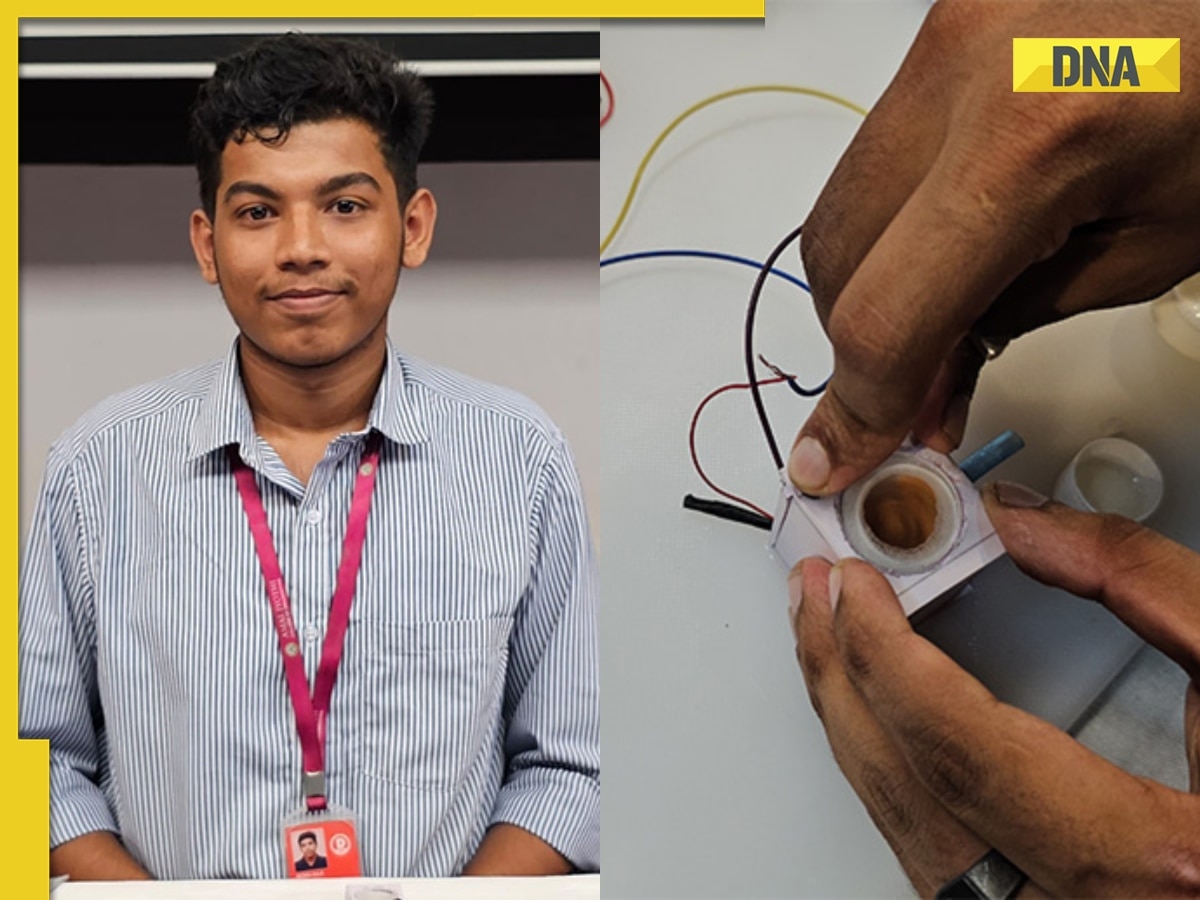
(837, 445)
(899, 327)
(1150, 582)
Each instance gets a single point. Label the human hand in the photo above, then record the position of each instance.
(962, 208)
(96, 856)
(947, 772)
(511, 850)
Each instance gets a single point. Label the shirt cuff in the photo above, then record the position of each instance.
(77, 807)
(560, 806)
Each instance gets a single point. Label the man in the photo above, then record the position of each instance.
(317, 575)
(997, 212)
(309, 859)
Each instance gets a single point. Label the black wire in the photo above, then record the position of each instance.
(807, 392)
(727, 511)
(751, 310)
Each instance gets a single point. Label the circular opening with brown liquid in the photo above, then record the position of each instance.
(901, 511)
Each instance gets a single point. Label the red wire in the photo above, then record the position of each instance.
(605, 116)
(692, 442)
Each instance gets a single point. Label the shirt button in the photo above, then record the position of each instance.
(313, 516)
(311, 633)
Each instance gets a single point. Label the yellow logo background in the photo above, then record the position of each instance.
(1157, 62)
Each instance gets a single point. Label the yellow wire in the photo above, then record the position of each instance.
(696, 107)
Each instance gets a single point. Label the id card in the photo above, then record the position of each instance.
(321, 845)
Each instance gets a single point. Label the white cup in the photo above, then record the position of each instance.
(1111, 475)
(1177, 316)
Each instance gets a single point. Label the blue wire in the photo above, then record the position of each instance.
(808, 392)
(703, 254)
(729, 258)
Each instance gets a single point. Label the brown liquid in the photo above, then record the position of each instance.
(901, 512)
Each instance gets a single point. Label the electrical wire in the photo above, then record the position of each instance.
(792, 382)
(748, 344)
(796, 387)
(696, 107)
(702, 254)
(764, 269)
(696, 458)
(727, 511)
(606, 114)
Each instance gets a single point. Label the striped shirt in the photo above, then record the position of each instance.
(468, 691)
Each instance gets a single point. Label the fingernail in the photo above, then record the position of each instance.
(954, 421)
(835, 586)
(1009, 493)
(808, 466)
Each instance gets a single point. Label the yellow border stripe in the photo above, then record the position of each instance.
(432, 9)
(24, 764)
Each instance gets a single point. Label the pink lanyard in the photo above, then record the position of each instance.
(311, 711)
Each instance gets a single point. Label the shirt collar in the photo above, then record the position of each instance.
(224, 417)
(395, 413)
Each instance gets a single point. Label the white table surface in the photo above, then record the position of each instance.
(574, 887)
(718, 778)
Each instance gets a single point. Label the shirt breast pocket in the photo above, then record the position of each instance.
(428, 698)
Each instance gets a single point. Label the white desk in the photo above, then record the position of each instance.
(575, 887)
(718, 779)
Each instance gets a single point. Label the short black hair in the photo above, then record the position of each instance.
(277, 82)
(309, 835)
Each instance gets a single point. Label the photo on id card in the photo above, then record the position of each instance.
(321, 847)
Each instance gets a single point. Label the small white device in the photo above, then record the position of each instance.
(374, 892)
(917, 518)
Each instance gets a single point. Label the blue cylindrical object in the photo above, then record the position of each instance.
(991, 454)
